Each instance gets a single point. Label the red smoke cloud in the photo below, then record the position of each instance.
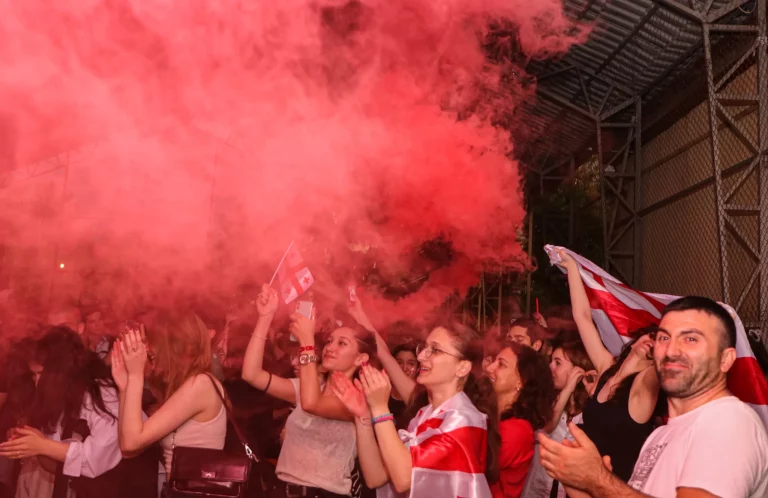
(207, 135)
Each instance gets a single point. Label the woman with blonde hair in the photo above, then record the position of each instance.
(191, 411)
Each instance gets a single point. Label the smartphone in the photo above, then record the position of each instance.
(352, 294)
(305, 308)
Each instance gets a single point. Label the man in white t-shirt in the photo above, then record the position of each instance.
(713, 446)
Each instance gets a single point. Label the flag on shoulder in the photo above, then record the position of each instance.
(448, 452)
(618, 310)
(293, 274)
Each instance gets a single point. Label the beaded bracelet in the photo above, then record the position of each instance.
(382, 418)
(304, 349)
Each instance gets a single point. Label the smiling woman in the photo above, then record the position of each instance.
(450, 447)
(526, 396)
(317, 456)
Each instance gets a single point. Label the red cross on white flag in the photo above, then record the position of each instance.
(295, 277)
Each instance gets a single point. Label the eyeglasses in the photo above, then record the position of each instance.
(430, 350)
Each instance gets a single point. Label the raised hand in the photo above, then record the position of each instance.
(377, 389)
(574, 377)
(266, 304)
(134, 352)
(350, 394)
(358, 313)
(566, 260)
(303, 329)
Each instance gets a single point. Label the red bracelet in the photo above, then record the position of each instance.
(304, 349)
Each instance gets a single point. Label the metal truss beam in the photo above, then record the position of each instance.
(612, 197)
(721, 119)
(682, 9)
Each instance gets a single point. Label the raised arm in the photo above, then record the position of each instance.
(403, 384)
(313, 400)
(253, 363)
(643, 395)
(186, 403)
(601, 358)
(574, 377)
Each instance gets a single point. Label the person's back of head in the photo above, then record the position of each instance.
(67, 315)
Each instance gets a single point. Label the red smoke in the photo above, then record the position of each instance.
(209, 134)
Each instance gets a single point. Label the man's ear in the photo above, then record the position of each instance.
(727, 358)
(537, 345)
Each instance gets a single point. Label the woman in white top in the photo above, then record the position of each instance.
(69, 383)
(191, 412)
(318, 453)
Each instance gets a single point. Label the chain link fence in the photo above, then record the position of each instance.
(701, 179)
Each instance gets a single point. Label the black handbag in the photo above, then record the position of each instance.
(207, 473)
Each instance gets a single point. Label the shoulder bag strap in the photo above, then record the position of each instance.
(231, 419)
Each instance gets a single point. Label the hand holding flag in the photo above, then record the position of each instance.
(619, 310)
(295, 277)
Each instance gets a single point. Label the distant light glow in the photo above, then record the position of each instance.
(61, 266)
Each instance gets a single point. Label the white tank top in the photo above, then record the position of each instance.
(194, 434)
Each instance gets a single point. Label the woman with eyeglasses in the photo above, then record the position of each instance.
(452, 441)
(318, 452)
(191, 412)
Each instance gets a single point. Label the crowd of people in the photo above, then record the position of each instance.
(520, 410)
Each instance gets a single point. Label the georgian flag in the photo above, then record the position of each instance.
(618, 310)
(448, 451)
(295, 277)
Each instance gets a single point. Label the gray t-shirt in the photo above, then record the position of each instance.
(317, 452)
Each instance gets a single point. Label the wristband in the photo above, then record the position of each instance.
(304, 349)
(382, 418)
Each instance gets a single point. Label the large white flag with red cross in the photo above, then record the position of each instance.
(618, 310)
(295, 277)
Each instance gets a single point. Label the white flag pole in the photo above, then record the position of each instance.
(280, 264)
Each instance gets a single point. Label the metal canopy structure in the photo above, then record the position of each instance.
(658, 83)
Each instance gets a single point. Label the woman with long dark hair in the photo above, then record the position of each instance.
(451, 445)
(574, 379)
(71, 384)
(618, 417)
(526, 396)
